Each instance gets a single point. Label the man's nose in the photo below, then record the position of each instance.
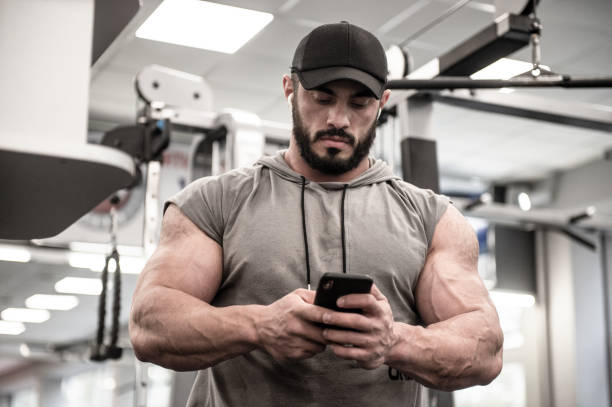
(338, 116)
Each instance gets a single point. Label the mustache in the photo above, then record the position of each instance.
(349, 138)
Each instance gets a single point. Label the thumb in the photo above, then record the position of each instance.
(306, 295)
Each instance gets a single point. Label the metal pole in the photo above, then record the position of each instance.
(140, 385)
(603, 240)
(150, 242)
(467, 83)
(151, 208)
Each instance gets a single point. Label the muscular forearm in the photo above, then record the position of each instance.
(463, 351)
(175, 330)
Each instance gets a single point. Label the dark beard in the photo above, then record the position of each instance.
(330, 164)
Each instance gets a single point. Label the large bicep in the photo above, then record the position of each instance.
(449, 283)
(186, 259)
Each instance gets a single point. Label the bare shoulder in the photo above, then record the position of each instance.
(176, 227)
(454, 236)
(186, 258)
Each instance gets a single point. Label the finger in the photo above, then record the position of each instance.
(376, 293)
(365, 302)
(311, 347)
(312, 313)
(364, 358)
(343, 336)
(349, 320)
(301, 349)
(351, 353)
(311, 332)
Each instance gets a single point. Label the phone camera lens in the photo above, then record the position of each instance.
(328, 284)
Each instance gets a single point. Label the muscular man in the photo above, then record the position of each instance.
(226, 291)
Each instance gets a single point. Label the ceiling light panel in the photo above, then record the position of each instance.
(204, 25)
(52, 302)
(25, 315)
(14, 253)
(11, 328)
(92, 261)
(96, 262)
(79, 285)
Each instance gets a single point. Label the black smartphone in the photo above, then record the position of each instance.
(335, 285)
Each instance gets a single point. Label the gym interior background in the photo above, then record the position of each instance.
(529, 166)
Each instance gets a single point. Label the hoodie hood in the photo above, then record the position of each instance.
(379, 171)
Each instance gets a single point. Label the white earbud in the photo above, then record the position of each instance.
(290, 100)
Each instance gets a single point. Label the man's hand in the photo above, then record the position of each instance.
(286, 328)
(373, 332)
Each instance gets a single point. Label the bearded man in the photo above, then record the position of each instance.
(227, 291)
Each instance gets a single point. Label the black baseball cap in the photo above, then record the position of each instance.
(341, 51)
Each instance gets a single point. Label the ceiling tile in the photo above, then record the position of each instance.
(247, 72)
(278, 40)
(268, 6)
(139, 53)
(230, 97)
(465, 22)
(363, 13)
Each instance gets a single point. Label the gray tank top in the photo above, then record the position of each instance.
(255, 215)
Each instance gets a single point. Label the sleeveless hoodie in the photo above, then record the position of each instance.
(279, 232)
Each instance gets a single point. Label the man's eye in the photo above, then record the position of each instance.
(323, 101)
(360, 103)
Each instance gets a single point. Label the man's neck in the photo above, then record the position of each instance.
(296, 162)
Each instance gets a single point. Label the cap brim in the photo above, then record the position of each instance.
(317, 77)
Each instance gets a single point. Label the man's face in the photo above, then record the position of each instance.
(334, 125)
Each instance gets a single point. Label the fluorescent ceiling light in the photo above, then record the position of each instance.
(104, 248)
(202, 24)
(11, 328)
(504, 68)
(524, 201)
(131, 265)
(25, 315)
(54, 302)
(24, 349)
(79, 285)
(17, 254)
(504, 299)
(94, 262)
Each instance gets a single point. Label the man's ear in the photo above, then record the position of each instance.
(384, 98)
(287, 86)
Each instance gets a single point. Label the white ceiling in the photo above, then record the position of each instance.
(577, 40)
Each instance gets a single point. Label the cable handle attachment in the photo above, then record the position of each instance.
(99, 350)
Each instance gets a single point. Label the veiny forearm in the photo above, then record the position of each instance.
(178, 331)
(459, 352)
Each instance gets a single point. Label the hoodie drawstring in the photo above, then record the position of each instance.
(342, 225)
(306, 234)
